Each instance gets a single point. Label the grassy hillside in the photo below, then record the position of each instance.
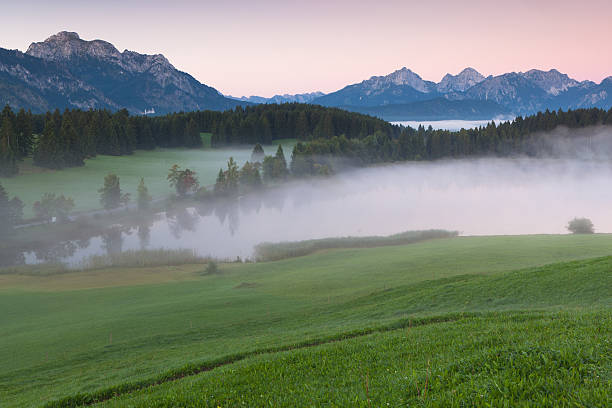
(75, 337)
(499, 360)
(82, 183)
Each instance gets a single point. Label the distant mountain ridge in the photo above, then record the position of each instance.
(65, 71)
(513, 93)
(286, 98)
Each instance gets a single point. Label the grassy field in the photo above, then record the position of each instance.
(497, 360)
(82, 183)
(130, 327)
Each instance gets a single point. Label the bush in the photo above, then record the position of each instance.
(581, 226)
(212, 268)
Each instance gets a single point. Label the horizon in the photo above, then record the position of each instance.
(324, 47)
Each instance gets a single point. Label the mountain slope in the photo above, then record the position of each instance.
(42, 85)
(94, 74)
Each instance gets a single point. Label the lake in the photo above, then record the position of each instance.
(449, 124)
(475, 197)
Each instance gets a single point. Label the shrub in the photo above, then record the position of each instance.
(184, 181)
(581, 226)
(212, 268)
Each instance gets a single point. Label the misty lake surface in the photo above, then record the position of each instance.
(474, 197)
(451, 125)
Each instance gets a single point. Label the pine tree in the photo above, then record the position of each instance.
(301, 126)
(49, 150)
(143, 199)
(146, 136)
(280, 170)
(24, 133)
(249, 175)
(73, 151)
(231, 177)
(11, 211)
(110, 193)
(192, 134)
(8, 156)
(220, 183)
(258, 153)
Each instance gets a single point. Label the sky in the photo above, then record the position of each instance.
(268, 47)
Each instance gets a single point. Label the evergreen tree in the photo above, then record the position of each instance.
(24, 133)
(258, 153)
(192, 134)
(131, 136)
(73, 151)
(301, 126)
(269, 168)
(11, 212)
(220, 183)
(111, 195)
(90, 136)
(143, 199)
(8, 155)
(249, 176)
(49, 150)
(231, 177)
(146, 136)
(280, 166)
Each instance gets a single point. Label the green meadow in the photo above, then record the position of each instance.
(466, 321)
(82, 183)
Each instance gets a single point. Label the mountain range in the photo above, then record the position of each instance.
(65, 71)
(403, 94)
(286, 98)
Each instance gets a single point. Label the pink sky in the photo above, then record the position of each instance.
(285, 46)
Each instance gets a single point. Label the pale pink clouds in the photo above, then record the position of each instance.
(247, 47)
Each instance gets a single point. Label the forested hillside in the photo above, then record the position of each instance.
(57, 140)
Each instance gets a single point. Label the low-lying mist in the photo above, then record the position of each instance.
(487, 196)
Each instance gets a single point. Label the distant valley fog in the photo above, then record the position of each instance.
(450, 124)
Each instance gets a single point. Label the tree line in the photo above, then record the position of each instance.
(526, 136)
(57, 140)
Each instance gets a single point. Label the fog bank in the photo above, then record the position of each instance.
(476, 197)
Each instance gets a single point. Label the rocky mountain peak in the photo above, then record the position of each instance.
(63, 36)
(66, 45)
(460, 82)
(402, 76)
(552, 81)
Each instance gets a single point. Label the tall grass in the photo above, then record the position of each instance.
(142, 258)
(126, 259)
(45, 269)
(268, 251)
